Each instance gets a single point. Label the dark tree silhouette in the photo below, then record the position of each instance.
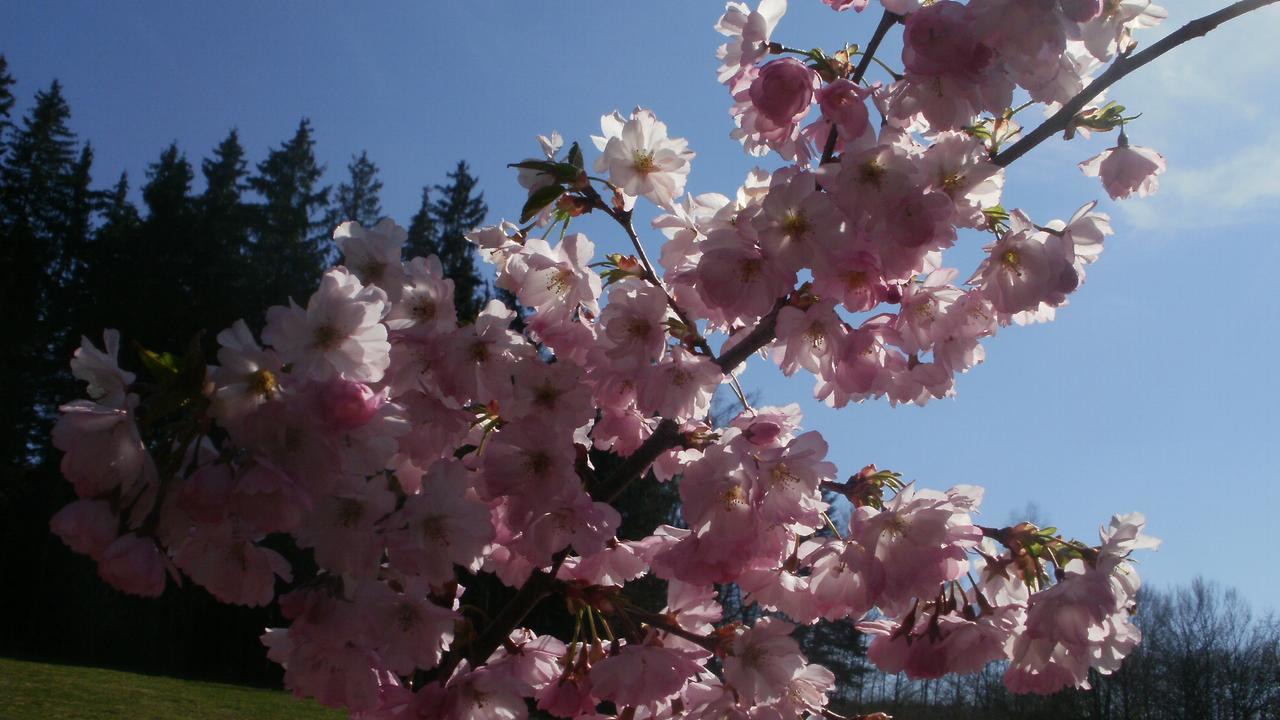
(290, 241)
(458, 210)
(357, 197)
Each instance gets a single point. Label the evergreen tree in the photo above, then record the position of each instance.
(222, 279)
(357, 198)
(36, 200)
(82, 203)
(69, 295)
(224, 177)
(120, 218)
(6, 103)
(456, 213)
(168, 189)
(108, 260)
(422, 230)
(163, 317)
(290, 242)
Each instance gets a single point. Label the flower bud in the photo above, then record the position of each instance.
(346, 405)
(782, 90)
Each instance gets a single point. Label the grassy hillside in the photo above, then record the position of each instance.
(36, 691)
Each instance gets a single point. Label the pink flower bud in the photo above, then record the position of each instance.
(347, 405)
(1081, 11)
(782, 90)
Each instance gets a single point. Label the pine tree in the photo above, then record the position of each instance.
(40, 157)
(6, 103)
(168, 189)
(224, 176)
(36, 199)
(163, 317)
(422, 230)
(82, 202)
(290, 241)
(120, 218)
(222, 281)
(456, 213)
(109, 259)
(357, 198)
(69, 296)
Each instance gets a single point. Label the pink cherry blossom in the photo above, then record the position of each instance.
(338, 333)
(86, 526)
(100, 369)
(133, 564)
(749, 32)
(444, 525)
(230, 566)
(103, 449)
(763, 660)
(373, 254)
(641, 675)
(1126, 169)
(641, 159)
(425, 305)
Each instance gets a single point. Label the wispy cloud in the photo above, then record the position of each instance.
(1209, 106)
(1237, 185)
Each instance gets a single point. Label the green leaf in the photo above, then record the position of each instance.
(161, 366)
(575, 156)
(545, 166)
(539, 199)
(562, 172)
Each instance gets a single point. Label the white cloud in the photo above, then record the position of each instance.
(1238, 186)
(1208, 106)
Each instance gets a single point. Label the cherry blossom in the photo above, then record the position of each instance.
(405, 452)
(1126, 169)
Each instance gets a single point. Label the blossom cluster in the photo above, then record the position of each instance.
(405, 453)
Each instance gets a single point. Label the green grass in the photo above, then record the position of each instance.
(36, 691)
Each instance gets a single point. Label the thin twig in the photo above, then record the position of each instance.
(662, 622)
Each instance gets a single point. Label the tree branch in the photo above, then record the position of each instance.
(762, 334)
(887, 20)
(664, 437)
(1123, 65)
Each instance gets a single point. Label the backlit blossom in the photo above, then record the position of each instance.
(1126, 169)
(338, 333)
(640, 158)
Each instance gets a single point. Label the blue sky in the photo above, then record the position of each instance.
(1152, 391)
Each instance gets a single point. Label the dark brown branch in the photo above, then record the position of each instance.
(1123, 65)
(887, 20)
(664, 437)
(666, 624)
(762, 334)
(512, 614)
